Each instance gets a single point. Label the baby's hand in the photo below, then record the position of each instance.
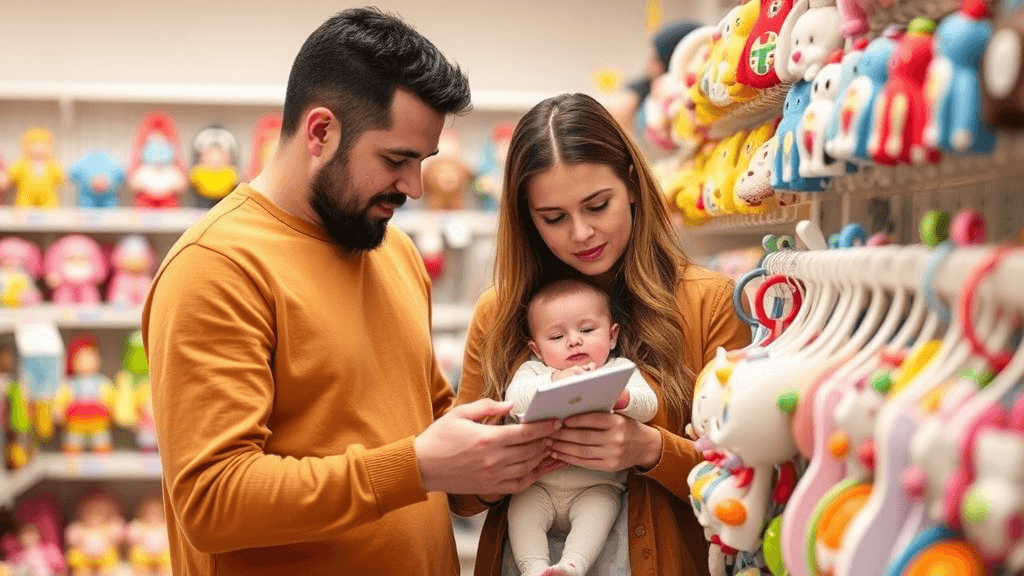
(623, 401)
(572, 371)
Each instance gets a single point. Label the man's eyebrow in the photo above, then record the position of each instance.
(408, 153)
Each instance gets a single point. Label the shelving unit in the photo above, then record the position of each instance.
(88, 466)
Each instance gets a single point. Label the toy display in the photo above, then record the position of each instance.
(40, 349)
(814, 161)
(214, 157)
(18, 423)
(133, 262)
(147, 537)
(491, 174)
(809, 35)
(134, 405)
(952, 89)
(745, 163)
(21, 264)
(75, 266)
(757, 63)
(1002, 90)
(86, 400)
(848, 70)
(786, 174)
(734, 38)
(37, 176)
(897, 129)
(687, 59)
(264, 142)
(98, 177)
(95, 535)
(35, 550)
(156, 173)
(446, 178)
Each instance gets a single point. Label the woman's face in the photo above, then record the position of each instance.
(582, 212)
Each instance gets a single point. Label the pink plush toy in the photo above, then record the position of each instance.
(74, 267)
(21, 264)
(133, 262)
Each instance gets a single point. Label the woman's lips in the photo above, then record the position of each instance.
(590, 255)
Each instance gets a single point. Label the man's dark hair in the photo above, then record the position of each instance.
(353, 63)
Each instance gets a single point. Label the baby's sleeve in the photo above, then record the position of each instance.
(643, 402)
(530, 375)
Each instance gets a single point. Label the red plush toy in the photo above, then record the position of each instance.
(757, 64)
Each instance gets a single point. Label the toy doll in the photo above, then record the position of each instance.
(951, 86)
(133, 261)
(757, 63)
(808, 36)
(445, 176)
(134, 404)
(847, 72)
(786, 173)
(35, 551)
(20, 446)
(754, 187)
(157, 172)
(214, 156)
(98, 177)
(147, 537)
(40, 349)
(752, 146)
(85, 399)
(490, 176)
(21, 264)
(738, 32)
(74, 267)
(264, 143)
(897, 129)
(37, 176)
(814, 162)
(94, 536)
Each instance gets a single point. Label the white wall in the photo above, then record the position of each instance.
(502, 44)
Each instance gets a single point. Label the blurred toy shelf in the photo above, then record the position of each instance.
(118, 465)
(247, 95)
(761, 223)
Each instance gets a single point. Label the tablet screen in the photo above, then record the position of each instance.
(594, 391)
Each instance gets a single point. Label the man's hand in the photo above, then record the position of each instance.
(458, 455)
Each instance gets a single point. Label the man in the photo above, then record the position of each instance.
(303, 423)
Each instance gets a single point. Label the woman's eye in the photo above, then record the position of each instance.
(598, 207)
(554, 220)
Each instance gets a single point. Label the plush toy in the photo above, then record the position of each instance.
(147, 537)
(21, 264)
(95, 535)
(98, 177)
(786, 173)
(688, 184)
(446, 178)
(687, 134)
(952, 88)
(854, 17)
(214, 156)
(808, 36)
(1003, 91)
(133, 262)
(18, 423)
(751, 152)
(847, 73)
(134, 404)
(897, 129)
(37, 176)
(857, 104)
(757, 63)
(35, 550)
(74, 267)
(993, 506)
(157, 175)
(264, 142)
(491, 173)
(86, 399)
(754, 187)
(814, 161)
(701, 91)
(40, 349)
(719, 175)
(734, 39)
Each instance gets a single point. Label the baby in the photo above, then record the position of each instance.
(571, 332)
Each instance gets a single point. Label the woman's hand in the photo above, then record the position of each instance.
(609, 442)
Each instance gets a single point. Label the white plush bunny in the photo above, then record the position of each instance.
(811, 132)
(809, 35)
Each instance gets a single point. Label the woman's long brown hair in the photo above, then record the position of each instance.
(576, 129)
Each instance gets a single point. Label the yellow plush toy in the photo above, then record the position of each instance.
(37, 176)
(720, 174)
(688, 186)
(687, 59)
(751, 145)
(746, 17)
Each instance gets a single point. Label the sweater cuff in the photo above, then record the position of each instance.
(395, 475)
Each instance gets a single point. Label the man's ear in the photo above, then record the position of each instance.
(534, 348)
(322, 132)
(615, 336)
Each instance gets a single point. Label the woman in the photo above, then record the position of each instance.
(580, 201)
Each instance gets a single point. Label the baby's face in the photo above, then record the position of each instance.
(572, 330)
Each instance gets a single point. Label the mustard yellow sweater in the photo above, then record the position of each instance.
(289, 379)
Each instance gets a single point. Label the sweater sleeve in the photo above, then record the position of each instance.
(643, 402)
(720, 327)
(210, 337)
(523, 386)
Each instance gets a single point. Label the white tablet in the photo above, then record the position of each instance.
(594, 391)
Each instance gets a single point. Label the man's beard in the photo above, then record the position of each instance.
(337, 206)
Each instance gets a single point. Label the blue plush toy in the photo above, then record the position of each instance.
(952, 88)
(846, 75)
(98, 177)
(855, 105)
(786, 174)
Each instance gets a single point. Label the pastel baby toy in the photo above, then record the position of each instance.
(952, 87)
(897, 129)
(814, 161)
(689, 186)
(754, 187)
(857, 103)
(147, 537)
(214, 157)
(757, 63)
(86, 399)
(1001, 73)
(98, 177)
(752, 147)
(854, 16)
(786, 173)
(264, 142)
(75, 266)
(689, 56)
(37, 176)
(133, 262)
(157, 174)
(21, 264)
(94, 537)
(703, 90)
(719, 175)
(35, 550)
(808, 36)
(735, 39)
(993, 507)
(847, 74)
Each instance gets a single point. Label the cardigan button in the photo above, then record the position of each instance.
(639, 531)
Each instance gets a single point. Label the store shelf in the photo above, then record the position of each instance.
(226, 94)
(766, 106)
(114, 220)
(119, 465)
(755, 224)
(77, 317)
